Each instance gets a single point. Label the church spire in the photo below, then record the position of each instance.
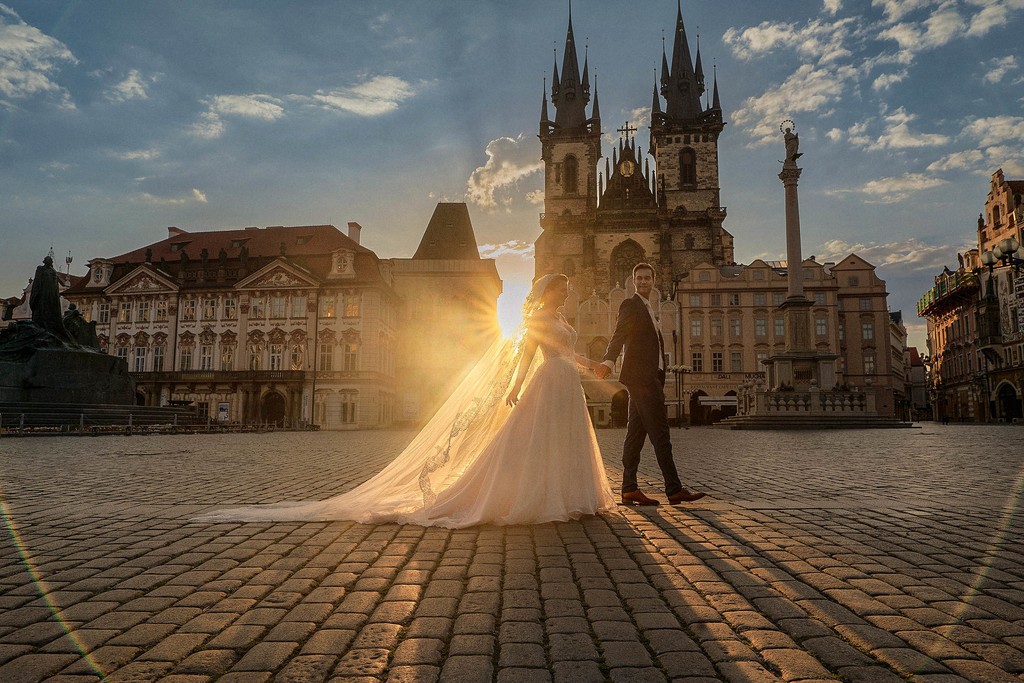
(570, 93)
(656, 102)
(596, 112)
(681, 88)
(544, 121)
(715, 102)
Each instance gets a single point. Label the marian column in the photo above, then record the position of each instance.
(797, 307)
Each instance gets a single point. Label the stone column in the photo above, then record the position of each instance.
(790, 176)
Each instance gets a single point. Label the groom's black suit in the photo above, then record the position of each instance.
(645, 382)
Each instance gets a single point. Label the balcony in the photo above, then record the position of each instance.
(222, 376)
(950, 288)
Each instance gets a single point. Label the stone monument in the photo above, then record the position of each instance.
(55, 358)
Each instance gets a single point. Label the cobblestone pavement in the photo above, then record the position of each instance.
(868, 556)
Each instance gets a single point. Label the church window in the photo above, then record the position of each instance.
(571, 175)
(687, 167)
(623, 258)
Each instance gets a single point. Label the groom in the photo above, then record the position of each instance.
(643, 372)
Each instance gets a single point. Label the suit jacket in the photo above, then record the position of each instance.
(635, 331)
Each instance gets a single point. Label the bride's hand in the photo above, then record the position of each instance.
(513, 397)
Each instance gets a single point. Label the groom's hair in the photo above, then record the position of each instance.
(643, 266)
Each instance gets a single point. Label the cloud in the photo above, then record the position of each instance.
(194, 196)
(969, 159)
(373, 97)
(256, 106)
(535, 197)
(911, 254)
(817, 39)
(891, 190)
(898, 135)
(832, 6)
(138, 155)
(897, 9)
(995, 130)
(518, 248)
(28, 60)
(509, 160)
(808, 89)
(999, 67)
(133, 87)
(886, 81)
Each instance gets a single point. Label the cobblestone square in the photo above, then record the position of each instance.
(872, 556)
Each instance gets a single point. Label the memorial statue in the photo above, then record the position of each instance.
(792, 147)
(81, 330)
(46, 328)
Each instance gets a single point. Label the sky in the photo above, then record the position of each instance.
(118, 120)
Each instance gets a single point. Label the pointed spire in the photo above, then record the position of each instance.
(554, 77)
(664, 64)
(607, 169)
(656, 101)
(698, 69)
(715, 102)
(615, 156)
(596, 115)
(682, 89)
(544, 104)
(573, 94)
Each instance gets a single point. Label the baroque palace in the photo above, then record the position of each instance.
(975, 318)
(720, 319)
(294, 325)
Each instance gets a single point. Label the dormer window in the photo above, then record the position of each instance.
(302, 239)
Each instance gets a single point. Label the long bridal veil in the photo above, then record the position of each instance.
(446, 446)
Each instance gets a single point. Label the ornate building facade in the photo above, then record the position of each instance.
(291, 326)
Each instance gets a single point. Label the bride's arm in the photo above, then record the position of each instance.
(524, 365)
(586, 362)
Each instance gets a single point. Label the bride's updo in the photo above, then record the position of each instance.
(546, 283)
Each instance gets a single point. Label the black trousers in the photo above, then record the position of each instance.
(648, 418)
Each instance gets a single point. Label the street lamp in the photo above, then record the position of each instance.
(678, 371)
(1003, 252)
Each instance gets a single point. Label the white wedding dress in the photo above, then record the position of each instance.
(478, 461)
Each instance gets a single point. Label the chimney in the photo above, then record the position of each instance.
(353, 231)
(174, 232)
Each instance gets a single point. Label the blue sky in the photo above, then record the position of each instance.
(120, 119)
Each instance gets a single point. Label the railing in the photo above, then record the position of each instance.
(812, 403)
(221, 376)
(946, 285)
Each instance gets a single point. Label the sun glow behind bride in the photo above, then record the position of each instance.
(510, 306)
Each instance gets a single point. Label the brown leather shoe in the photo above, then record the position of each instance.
(638, 498)
(685, 495)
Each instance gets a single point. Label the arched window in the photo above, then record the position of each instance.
(995, 215)
(624, 257)
(569, 267)
(687, 167)
(571, 175)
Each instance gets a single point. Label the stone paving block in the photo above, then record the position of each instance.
(175, 648)
(680, 664)
(467, 669)
(521, 655)
(521, 675)
(414, 674)
(577, 672)
(207, 663)
(136, 672)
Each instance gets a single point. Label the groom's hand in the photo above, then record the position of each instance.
(602, 371)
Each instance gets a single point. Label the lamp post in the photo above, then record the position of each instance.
(678, 371)
(1004, 252)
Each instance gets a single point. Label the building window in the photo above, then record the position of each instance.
(299, 306)
(326, 354)
(842, 331)
(735, 327)
(140, 359)
(296, 357)
(758, 274)
(349, 399)
(188, 310)
(735, 361)
(867, 331)
(697, 361)
(778, 298)
(695, 300)
(186, 358)
(734, 299)
(104, 313)
(256, 311)
(161, 311)
(227, 357)
(853, 281)
(869, 363)
(351, 357)
(865, 304)
(327, 307)
(760, 327)
(761, 356)
(571, 174)
(760, 298)
(716, 327)
(143, 312)
(821, 327)
(808, 273)
(819, 298)
(780, 327)
(352, 305)
(716, 299)
(255, 357)
(209, 309)
(277, 356)
(277, 307)
(717, 361)
(206, 357)
(124, 312)
(696, 327)
(158, 359)
(687, 167)
(705, 276)
(230, 309)
(122, 353)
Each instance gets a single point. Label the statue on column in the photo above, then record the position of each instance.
(792, 143)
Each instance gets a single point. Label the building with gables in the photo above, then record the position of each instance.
(604, 212)
(281, 325)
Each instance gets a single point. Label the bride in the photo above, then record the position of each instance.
(528, 459)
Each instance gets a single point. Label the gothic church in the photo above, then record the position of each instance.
(600, 220)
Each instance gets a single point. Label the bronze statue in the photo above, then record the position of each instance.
(792, 147)
(83, 331)
(45, 301)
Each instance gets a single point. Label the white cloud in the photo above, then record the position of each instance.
(509, 161)
(890, 190)
(535, 197)
(999, 67)
(133, 87)
(897, 9)
(255, 106)
(28, 61)
(995, 130)
(832, 6)
(886, 81)
(898, 134)
(511, 248)
(817, 39)
(912, 254)
(208, 127)
(194, 196)
(373, 97)
(969, 159)
(835, 135)
(138, 155)
(808, 89)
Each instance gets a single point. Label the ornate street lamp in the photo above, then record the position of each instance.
(1004, 252)
(678, 371)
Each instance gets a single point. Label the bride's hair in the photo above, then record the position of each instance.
(544, 285)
